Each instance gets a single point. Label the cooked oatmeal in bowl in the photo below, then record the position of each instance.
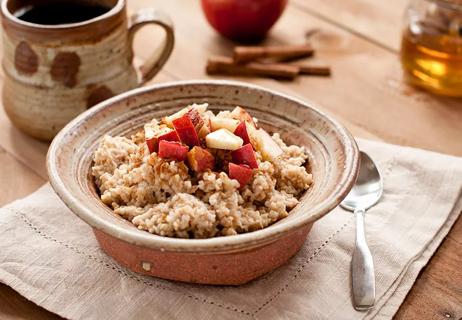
(196, 174)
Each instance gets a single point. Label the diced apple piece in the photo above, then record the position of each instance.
(153, 137)
(169, 136)
(172, 150)
(149, 130)
(200, 159)
(186, 131)
(241, 131)
(196, 119)
(205, 130)
(224, 114)
(223, 139)
(151, 143)
(245, 155)
(223, 123)
(242, 115)
(268, 148)
(254, 136)
(201, 108)
(169, 119)
(150, 138)
(241, 173)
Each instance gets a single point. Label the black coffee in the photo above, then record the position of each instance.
(60, 12)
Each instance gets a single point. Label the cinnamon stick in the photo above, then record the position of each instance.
(247, 54)
(226, 66)
(314, 70)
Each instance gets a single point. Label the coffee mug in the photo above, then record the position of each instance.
(57, 66)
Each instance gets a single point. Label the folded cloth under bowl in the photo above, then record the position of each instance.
(52, 258)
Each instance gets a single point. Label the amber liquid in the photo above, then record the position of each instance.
(433, 62)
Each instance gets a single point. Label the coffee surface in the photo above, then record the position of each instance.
(60, 13)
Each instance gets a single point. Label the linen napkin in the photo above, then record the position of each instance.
(51, 257)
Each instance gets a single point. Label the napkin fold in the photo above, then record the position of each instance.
(51, 257)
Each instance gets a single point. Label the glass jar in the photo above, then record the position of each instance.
(431, 46)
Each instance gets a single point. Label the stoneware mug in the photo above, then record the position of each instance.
(55, 72)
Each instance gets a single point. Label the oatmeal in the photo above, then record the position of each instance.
(195, 174)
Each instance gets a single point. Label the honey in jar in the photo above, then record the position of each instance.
(431, 47)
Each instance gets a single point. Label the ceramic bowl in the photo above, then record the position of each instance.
(333, 158)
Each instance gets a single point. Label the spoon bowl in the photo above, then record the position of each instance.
(368, 188)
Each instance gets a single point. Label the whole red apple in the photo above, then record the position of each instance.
(243, 20)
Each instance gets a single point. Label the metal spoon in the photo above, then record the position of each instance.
(365, 193)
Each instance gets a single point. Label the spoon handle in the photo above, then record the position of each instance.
(362, 268)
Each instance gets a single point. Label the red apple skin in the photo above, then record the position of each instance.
(200, 159)
(245, 155)
(241, 173)
(241, 131)
(170, 136)
(172, 150)
(153, 143)
(205, 130)
(243, 20)
(186, 131)
(241, 114)
(196, 119)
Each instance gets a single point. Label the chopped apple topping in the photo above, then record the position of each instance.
(223, 123)
(228, 131)
(169, 136)
(245, 155)
(254, 135)
(172, 150)
(223, 139)
(200, 108)
(241, 173)
(149, 130)
(268, 148)
(169, 120)
(200, 159)
(242, 132)
(184, 127)
(196, 119)
(242, 115)
(205, 130)
(153, 137)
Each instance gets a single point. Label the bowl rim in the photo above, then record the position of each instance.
(238, 242)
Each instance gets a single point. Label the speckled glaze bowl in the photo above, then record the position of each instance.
(232, 260)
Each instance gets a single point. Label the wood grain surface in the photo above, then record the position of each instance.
(379, 22)
(359, 39)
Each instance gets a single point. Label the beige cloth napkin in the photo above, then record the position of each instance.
(51, 257)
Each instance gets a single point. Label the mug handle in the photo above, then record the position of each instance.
(157, 60)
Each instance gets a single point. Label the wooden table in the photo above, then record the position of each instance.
(360, 40)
